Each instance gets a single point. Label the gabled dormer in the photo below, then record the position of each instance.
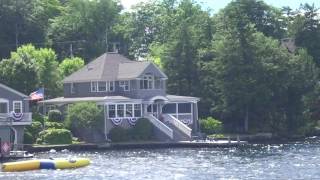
(112, 74)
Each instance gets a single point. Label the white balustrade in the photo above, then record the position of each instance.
(178, 124)
(160, 125)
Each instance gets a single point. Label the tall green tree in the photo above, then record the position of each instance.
(305, 28)
(25, 21)
(70, 65)
(29, 68)
(83, 24)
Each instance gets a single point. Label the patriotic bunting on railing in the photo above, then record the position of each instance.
(186, 121)
(16, 116)
(116, 121)
(132, 121)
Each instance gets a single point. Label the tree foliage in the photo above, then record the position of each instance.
(70, 65)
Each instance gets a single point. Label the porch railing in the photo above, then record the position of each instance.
(5, 119)
(156, 122)
(178, 124)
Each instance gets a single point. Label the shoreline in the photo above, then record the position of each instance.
(136, 145)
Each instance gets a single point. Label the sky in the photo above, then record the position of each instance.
(216, 5)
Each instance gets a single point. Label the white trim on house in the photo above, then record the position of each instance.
(13, 106)
(13, 91)
(124, 84)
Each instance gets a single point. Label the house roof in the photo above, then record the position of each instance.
(182, 98)
(63, 100)
(110, 67)
(13, 91)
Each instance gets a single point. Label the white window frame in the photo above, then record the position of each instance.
(150, 81)
(7, 102)
(72, 88)
(109, 85)
(105, 90)
(125, 85)
(94, 84)
(134, 115)
(13, 106)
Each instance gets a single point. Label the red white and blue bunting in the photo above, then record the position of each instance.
(186, 121)
(16, 116)
(116, 121)
(132, 121)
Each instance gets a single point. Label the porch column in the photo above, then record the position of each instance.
(195, 117)
(105, 121)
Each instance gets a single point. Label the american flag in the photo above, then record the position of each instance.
(37, 95)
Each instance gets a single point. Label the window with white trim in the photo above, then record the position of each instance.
(17, 106)
(112, 110)
(125, 85)
(94, 86)
(137, 110)
(124, 110)
(111, 86)
(147, 82)
(129, 110)
(102, 86)
(120, 110)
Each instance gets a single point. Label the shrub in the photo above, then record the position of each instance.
(55, 116)
(36, 117)
(142, 130)
(55, 136)
(28, 138)
(84, 115)
(32, 131)
(54, 125)
(118, 134)
(211, 126)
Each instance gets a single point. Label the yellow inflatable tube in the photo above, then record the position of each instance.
(45, 164)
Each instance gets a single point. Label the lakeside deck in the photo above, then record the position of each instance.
(138, 145)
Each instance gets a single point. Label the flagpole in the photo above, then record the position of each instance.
(44, 111)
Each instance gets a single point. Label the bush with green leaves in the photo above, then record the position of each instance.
(54, 125)
(118, 134)
(32, 132)
(84, 115)
(55, 136)
(55, 116)
(142, 130)
(211, 126)
(28, 138)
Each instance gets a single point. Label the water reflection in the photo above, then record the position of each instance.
(284, 161)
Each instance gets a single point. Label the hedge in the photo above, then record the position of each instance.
(140, 132)
(54, 125)
(55, 136)
(32, 132)
(55, 116)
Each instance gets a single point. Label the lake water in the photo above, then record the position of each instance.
(300, 160)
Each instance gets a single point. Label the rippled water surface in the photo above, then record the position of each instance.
(299, 160)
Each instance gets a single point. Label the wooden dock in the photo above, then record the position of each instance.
(138, 145)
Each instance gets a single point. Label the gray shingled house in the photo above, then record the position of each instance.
(14, 116)
(129, 90)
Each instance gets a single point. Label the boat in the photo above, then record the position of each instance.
(19, 154)
(57, 163)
